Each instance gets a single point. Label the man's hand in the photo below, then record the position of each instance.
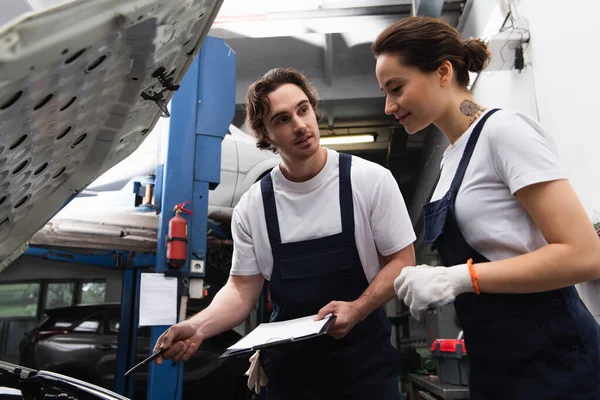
(182, 340)
(347, 315)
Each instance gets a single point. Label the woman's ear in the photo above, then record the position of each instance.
(445, 73)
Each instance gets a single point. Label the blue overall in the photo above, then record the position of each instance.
(306, 276)
(520, 346)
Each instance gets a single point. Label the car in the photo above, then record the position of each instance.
(82, 82)
(105, 216)
(21, 383)
(74, 135)
(81, 342)
(242, 164)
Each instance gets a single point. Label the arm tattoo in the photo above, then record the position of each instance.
(471, 109)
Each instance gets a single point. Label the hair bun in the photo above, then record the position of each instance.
(477, 54)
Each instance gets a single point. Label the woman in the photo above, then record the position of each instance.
(507, 225)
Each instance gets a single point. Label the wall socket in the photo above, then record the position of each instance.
(197, 266)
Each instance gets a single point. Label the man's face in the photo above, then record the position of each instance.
(291, 123)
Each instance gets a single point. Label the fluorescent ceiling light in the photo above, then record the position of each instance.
(257, 26)
(347, 139)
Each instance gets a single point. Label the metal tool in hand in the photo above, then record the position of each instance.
(147, 360)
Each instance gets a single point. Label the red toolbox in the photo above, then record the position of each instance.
(451, 361)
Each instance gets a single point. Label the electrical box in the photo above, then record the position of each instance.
(196, 288)
(503, 48)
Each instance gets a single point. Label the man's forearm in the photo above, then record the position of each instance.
(229, 308)
(381, 289)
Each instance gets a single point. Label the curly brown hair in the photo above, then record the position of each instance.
(258, 104)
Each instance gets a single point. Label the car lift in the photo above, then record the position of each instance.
(202, 110)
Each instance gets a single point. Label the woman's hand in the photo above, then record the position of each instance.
(424, 286)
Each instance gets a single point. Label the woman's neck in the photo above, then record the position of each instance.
(459, 116)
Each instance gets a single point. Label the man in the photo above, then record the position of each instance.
(314, 227)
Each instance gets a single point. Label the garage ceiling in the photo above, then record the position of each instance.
(330, 41)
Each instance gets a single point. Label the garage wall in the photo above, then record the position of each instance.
(564, 63)
(560, 84)
(559, 87)
(33, 268)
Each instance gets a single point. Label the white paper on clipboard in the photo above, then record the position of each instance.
(283, 330)
(158, 300)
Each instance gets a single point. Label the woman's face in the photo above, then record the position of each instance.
(414, 97)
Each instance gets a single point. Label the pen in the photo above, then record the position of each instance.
(147, 360)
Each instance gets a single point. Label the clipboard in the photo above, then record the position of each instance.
(278, 339)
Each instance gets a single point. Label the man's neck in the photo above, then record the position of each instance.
(302, 171)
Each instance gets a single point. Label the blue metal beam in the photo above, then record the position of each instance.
(202, 110)
(141, 260)
(134, 314)
(125, 326)
(216, 107)
(106, 259)
(216, 229)
(158, 189)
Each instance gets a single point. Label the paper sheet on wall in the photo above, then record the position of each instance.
(158, 300)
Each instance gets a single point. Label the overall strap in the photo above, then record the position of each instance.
(346, 204)
(268, 195)
(466, 157)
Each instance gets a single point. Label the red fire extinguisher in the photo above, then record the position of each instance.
(177, 238)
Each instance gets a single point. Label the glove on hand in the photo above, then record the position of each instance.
(424, 286)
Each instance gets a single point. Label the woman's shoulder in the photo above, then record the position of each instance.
(507, 126)
(509, 119)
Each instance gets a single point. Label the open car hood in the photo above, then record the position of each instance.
(78, 84)
(27, 383)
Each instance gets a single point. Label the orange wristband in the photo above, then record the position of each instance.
(474, 276)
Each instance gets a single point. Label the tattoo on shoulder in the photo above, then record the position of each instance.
(471, 109)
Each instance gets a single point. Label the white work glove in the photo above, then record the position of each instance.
(256, 375)
(424, 286)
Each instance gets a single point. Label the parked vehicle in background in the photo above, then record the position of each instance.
(104, 216)
(242, 164)
(81, 342)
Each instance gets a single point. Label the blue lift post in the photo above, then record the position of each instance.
(126, 350)
(201, 112)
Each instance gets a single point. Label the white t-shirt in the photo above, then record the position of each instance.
(311, 209)
(512, 152)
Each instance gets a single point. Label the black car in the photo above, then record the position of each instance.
(81, 342)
